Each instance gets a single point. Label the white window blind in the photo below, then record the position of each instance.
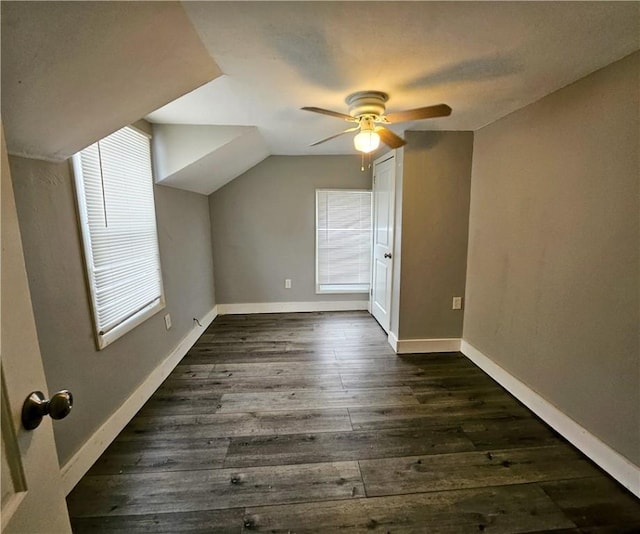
(343, 241)
(114, 185)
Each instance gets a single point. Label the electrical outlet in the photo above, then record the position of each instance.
(167, 321)
(287, 283)
(457, 303)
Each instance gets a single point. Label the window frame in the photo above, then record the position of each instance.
(103, 339)
(340, 288)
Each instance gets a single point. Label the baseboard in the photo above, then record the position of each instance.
(410, 346)
(619, 467)
(290, 307)
(86, 456)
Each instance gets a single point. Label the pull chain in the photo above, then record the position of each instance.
(362, 161)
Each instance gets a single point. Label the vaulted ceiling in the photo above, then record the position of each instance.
(75, 71)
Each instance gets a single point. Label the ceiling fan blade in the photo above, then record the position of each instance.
(389, 138)
(336, 135)
(429, 112)
(330, 113)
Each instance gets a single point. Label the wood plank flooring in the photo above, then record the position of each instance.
(300, 423)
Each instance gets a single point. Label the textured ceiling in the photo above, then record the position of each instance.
(74, 72)
(484, 59)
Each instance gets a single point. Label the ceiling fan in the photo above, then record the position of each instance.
(367, 110)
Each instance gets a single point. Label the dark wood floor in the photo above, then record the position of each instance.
(295, 423)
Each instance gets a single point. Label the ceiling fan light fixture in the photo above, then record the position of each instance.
(366, 141)
(367, 109)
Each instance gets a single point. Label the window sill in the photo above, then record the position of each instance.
(103, 340)
(328, 289)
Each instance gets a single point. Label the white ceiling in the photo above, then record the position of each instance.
(484, 59)
(74, 72)
(202, 158)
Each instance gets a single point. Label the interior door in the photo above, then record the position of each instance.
(32, 494)
(384, 178)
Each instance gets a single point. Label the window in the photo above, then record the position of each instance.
(343, 241)
(114, 186)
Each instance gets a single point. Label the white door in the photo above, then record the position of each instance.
(32, 494)
(384, 178)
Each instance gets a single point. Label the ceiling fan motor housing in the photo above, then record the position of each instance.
(367, 103)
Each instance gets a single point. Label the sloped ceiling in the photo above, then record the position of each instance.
(204, 158)
(74, 72)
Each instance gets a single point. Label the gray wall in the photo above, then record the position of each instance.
(101, 381)
(435, 188)
(553, 270)
(263, 228)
